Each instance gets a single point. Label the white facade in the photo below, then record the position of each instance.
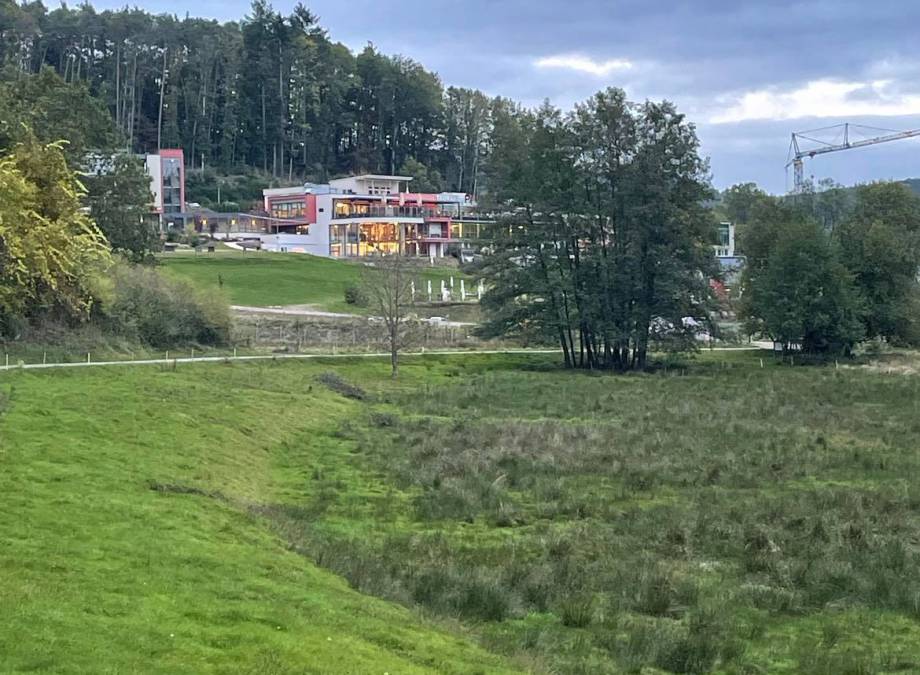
(296, 243)
(726, 246)
(154, 168)
(371, 184)
(361, 216)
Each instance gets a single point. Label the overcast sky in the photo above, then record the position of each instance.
(748, 73)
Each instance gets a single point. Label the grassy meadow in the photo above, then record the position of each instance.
(481, 514)
(262, 279)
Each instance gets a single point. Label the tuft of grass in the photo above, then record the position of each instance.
(338, 384)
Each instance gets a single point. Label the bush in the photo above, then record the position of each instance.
(355, 295)
(146, 306)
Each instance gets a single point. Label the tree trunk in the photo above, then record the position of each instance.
(162, 94)
(118, 87)
(394, 351)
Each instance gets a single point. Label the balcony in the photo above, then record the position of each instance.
(392, 212)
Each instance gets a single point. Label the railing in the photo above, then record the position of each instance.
(395, 212)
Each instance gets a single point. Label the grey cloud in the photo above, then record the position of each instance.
(701, 54)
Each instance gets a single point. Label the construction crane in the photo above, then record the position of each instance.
(841, 141)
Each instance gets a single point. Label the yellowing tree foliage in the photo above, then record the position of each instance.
(50, 251)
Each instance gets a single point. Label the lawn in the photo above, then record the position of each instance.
(132, 541)
(717, 515)
(261, 279)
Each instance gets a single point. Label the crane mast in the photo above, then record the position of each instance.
(797, 154)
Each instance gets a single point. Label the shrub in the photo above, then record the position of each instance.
(481, 599)
(355, 295)
(146, 306)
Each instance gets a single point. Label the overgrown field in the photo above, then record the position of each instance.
(261, 279)
(714, 516)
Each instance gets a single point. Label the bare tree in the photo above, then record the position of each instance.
(388, 286)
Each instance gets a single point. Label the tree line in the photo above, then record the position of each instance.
(830, 267)
(271, 92)
(606, 246)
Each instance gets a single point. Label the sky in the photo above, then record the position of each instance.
(747, 73)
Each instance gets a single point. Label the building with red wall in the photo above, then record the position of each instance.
(362, 216)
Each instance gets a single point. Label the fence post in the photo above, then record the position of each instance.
(44, 358)
(87, 357)
(7, 359)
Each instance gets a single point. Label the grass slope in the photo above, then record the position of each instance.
(261, 279)
(718, 517)
(99, 573)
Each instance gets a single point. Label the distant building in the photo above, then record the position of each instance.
(726, 246)
(367, 215)
(166, 169)
(729, 262)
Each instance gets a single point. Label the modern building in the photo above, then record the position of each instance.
(366, 215)
(726, 246)
(729, 261)
(166, 169)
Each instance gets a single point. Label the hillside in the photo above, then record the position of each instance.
(716, 516)
(132, 539)
(262, 279)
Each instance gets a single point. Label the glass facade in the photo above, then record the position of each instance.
(369, 239)
(349, 208)
(172, 184)
(288, 209)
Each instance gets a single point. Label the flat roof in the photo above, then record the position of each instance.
(293, 190)
(371, 176)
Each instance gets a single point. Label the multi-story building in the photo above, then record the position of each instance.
(166, 169)
(726, 246)
(366, 215)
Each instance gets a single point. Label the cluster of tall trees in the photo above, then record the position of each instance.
(50, 250)
(42, 109)
(271, 92)
(607, 244)
(828, 268)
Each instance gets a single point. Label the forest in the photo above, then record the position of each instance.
(271, 92)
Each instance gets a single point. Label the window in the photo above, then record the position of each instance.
(172, 185)
(287, 209)
(346, 208)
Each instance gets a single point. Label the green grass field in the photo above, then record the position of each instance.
(262, 279)
(131, 539)
(487, 512)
